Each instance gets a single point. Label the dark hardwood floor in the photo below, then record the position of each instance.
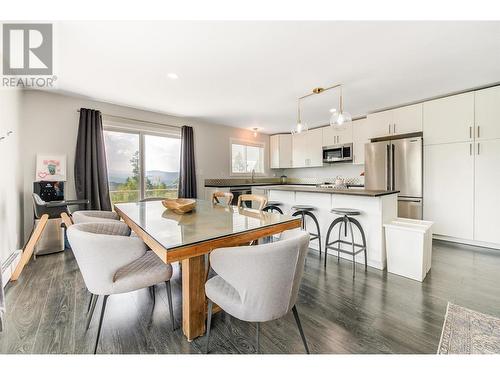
(377, 313)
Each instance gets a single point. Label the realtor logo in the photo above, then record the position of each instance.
(27, 49)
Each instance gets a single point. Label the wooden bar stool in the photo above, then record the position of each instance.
(303, 210)
(346, 220)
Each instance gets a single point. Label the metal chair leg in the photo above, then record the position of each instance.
(257, 350)
(313, 217)
(328, 233)
(353, 251)
(338, 243)
(209, 323)
(103, 309)
(91, 312)
(170, 306)
(363, 238)
(90, 302)
(297, 320)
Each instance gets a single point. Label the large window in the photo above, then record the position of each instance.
(246, 157)
(141, 165)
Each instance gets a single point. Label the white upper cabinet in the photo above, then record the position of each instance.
(380, 124)
(281, 151)
(449, 188)
(401, 120)
(307, 150)
(487, 199)
(337, 137)
(407, 119)
(487, 111)
(360, 136)
(449, 119)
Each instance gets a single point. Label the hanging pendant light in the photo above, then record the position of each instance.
(300, 127)
(340, 118)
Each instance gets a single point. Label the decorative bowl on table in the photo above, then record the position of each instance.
(180, 205)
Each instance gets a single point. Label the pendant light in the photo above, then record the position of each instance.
(340, 118)
(300, 127)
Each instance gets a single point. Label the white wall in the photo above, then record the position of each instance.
(10, 174)
(50, 124)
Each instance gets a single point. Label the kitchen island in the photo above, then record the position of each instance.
(377, 208)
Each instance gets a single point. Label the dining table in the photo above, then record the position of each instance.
(188, 238)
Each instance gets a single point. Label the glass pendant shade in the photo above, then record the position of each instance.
(339, 120)
(301, 127)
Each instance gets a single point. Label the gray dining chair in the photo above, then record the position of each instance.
(258, 283)
(111, 262)
(94, 216)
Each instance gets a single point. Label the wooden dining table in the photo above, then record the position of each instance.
(187, 238)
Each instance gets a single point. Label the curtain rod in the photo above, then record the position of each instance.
(138, 120)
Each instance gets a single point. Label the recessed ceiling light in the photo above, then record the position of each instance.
(172, 76)
(333, 110)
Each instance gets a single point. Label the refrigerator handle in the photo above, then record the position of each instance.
(393, 168)
(387, 168)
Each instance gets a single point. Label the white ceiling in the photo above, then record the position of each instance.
(249, 74)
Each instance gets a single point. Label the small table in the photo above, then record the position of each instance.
(187, 238)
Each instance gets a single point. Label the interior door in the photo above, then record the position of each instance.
(449, 188)
(377, 165)
(487, 197)
(407, 164)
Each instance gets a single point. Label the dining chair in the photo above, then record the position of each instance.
(111, 262)
(258, 283)
(93, 216)
(228, 197)
(260, 199)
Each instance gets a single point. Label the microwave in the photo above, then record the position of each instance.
(337, 153)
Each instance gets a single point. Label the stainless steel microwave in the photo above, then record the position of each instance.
(337, 153)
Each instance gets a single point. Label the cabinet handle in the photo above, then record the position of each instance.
(394, 128)
(470, 131)
(389, 128)
(478, 132)
(478, 148)
(470, 149)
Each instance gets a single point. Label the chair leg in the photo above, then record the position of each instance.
(353, 251)
(103, 309)
(363, 238)
(90, 302)
(170, 305)
(153, 295)
(297, 320)
(257, 350)
(91, 312)
(313, 217)
(209, 323)
(338, 243)
(328, 233)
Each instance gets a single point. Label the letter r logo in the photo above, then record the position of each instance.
(27, 49)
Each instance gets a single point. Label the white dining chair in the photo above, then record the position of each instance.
(258, 283)
(94, 216)
(111, 262)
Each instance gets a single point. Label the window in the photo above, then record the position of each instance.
(246, 157)
(141, 165)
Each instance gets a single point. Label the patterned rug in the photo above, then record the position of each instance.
(469, 332)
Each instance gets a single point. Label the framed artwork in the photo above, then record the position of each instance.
(50, 167)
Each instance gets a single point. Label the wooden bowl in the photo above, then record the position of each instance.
(180, 205)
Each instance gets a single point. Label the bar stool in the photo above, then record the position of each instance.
(346, 220)
(304, 210)
(273, 206)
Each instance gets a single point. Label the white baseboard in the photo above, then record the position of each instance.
(10, 265)
(467, 242)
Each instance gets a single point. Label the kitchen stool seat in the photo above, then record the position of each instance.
(273, 206)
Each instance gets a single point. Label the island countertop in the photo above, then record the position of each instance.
(315, 189)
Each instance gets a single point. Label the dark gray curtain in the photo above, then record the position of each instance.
(91, 172)
(187, 175)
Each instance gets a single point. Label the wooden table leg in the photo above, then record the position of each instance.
(193, 297)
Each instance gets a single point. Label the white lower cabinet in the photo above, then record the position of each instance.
(487, 192)
(449, 189)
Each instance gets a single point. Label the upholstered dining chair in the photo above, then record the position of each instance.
(217, 195)
(258, 283)
(94, 216)
(111, 262)
(260, 199)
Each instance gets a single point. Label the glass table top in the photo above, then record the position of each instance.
(206, 222)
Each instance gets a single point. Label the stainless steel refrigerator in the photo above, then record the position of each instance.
(397, 165)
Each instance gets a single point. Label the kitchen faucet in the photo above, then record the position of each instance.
(253, 175)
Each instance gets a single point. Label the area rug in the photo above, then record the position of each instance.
(469, 332)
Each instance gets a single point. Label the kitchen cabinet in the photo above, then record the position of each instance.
(486, 197)
(449, 188)
(281, 151)
(360, 136)
(449, 119)
(403, 120)
(487, 113)
(307, 149)
(332, 136)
